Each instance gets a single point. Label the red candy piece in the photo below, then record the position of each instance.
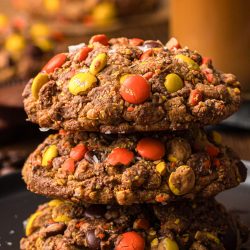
(173, 44)
(212, 150)
(100, 39)
(151, 149)
(84, 53)
(206, 60)
(148, 75)
(131, 241)
(209, 74)
(130, 109)
(55, 62)
(62, 132)
(141, 224)
(195, 97)
(210, 77)
(19, 23)
(136, 41)
(120, 156)
(135, 89)
(69, 166)
(77, 153)
(216, 162)
(146, 54)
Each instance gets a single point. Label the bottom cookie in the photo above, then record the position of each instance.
(197, 225)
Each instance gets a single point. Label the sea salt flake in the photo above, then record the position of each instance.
(43, 129)
(8, 243)
(143, 48)
(95, 159)
(73, 48)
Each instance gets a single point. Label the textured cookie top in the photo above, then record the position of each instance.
(126, 169)
(124, 85)
(202, 224)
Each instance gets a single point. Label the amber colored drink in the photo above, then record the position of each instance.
(219, 29)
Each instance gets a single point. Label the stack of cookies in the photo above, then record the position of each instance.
(131, 168)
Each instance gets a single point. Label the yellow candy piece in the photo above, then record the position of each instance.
(37, 84)
(173, 83)
(62, 218)
(81, 82)
(51, 6)
(210, 236)
(152, 232)
(39, 30)
(182, 180)
(191, 63)
(217, 137)
(161, 167)
(55, 203)
(236, 90)
(177, 221)
(171, 158)
(98, 63)
(168, 244)
(213, 238)
(44, 44)
(154, 242)
(15, 43)
(3, 21)
(30, 221)
(50, 153)
(104, 13)
(124, 77)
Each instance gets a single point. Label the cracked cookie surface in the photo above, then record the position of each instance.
(196, 225)
(125, 169)
(125, 85)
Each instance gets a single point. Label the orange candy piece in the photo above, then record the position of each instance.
(212, 150)
(173, 44)
(131, 241)
(151, 149)
(206, 60)
(136, 41)
(148, 75)
(69, 166)
(195, 97)
(77, 153)
(146, 54)
(141, 224)
(84, 53)
(135, 89)
(103, 39)
(120, 156)
(55, 62)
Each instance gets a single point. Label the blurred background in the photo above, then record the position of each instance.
(32, 31)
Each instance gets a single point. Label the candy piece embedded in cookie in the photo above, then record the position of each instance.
(124, 85)
(125, 169)
(201, 224)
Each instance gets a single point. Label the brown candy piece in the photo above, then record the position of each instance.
(91, 156)
(182, 180)
(92, 241)
(95, 211)
(152, 44)
(178, 149)
(53, 229)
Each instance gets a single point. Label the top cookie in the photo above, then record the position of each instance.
(125, 85)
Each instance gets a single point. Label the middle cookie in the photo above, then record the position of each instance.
(126, 169)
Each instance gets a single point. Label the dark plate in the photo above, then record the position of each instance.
(16, 204)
